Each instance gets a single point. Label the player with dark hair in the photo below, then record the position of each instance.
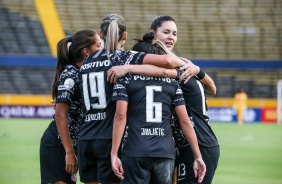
(58, 162)
(194, 89)
(95, 136)
(143, 109)
(195, 85)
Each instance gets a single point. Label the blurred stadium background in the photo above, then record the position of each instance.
(237, 42)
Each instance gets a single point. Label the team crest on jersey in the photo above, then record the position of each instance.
(69, 83)
(179, 91)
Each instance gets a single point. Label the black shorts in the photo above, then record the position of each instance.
(95, 161)
(147, 170)
(184, 163)
(52, 160)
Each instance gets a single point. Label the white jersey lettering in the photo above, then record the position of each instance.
(152, 131)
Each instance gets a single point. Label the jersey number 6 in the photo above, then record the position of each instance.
(153, 109)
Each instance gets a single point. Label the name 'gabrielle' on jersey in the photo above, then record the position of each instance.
(98, 116)
(152, 131)
(141, 77)
(95, 64)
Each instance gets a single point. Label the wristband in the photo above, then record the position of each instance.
(179, 73)
(181, 62)
(201, 74)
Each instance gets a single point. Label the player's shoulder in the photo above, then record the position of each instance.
(97, 59)
(70, 70)
(68, 77)
(125, 52)
(98, 55)
(192, 82)
(127, 57)
(125, 79)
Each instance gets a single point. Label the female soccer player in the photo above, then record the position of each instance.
(194, 84)
(58, 162)
(143, 106)
(194, 88)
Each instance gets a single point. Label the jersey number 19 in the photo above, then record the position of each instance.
(97, 90)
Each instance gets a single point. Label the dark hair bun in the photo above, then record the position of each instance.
(148, 37)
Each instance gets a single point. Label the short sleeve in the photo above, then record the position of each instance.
(66, 87)
(120, 88)
(178, 98)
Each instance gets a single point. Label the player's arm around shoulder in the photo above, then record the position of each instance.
(146, 69)
(165, 61)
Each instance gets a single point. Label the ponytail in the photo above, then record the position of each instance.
(70, 55)
(113, 27)
(62, 61)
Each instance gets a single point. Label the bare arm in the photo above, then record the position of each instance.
(118, 130)
(209, 85)
(165, 61)
(147, 70)
(188, 130)
(186, 126)
(63, 129)
(191, 70)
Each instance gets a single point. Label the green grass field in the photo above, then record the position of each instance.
(250, 154)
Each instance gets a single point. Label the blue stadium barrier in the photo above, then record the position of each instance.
(232, 64)
(27, 61)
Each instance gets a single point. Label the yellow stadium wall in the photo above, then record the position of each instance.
(254, 102)
(42, 100)
(29, 106)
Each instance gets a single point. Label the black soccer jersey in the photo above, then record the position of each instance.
(97, 92)
(150, 102)
(68, 92)
(195, 99)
